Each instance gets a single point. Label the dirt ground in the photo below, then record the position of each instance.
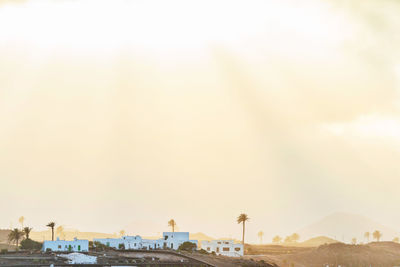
(383, 254)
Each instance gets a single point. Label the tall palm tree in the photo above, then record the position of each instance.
(21, 221)
(243, 218)
(377, 235)
(366, 235)
(27, 231)
(260, 235)
(15, 235)
(51, 225)
(172, 223)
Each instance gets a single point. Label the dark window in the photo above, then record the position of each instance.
(59, 246)
(225, 249)
(219, 242)
(208, 249)
(237, 249)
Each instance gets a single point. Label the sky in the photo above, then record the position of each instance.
(118, 113)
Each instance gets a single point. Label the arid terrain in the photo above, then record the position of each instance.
(384, 254)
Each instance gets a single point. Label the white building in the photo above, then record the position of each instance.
(170, 240)
(173, 240)
(129, 242)
(64, 245)
(223, 247)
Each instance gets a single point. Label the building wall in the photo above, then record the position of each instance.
(63, 245)
(170, 240)
(173, 240)
(223, 247)
(130, 242)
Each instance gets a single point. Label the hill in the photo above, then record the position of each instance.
(4, 235)
(344, 226)
(69, 235)
(318, 241)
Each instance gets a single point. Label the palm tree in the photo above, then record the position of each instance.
(27, 231)
(172, 223)
(21, 221)
(366, 235)
(243, 218)
(277, 239)
(122, 232)
(51, 225)
(15, 235)
(295, 237)
(60, 232)
(377, 235)
(260, 235)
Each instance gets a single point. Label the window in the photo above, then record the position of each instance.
(208, 249)
(59, 246)
(237, 249)
(219, 243)
(226, 243)
(225, 249)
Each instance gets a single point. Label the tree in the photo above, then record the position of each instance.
(188, 246)
(396, 240)
(21, 221)
(51, 225)
(15, 235)
(27, 231)
(366, 236)
(172, 223)
(354, 240)
(242, 219)
(60, 232)
(277, 239)
(377, 235)
(260, 235)
(122, 232)
(30, 244)
(288, 239)
(295, 237)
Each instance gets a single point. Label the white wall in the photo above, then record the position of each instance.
(223, 247)
(63, 245)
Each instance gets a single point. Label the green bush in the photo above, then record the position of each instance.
(203, 251)
(4, 251)
(121, 246)
(188, 246)
(30, 244)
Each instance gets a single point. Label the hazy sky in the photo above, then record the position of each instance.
(119, 112)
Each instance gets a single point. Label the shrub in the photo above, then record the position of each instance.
(203, 251)
(121, 246)
(30, 244)
(188, 246)
(4, 251)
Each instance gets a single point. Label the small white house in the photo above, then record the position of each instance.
(64, 245)
(223, 247)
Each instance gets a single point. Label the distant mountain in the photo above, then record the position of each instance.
(200, 236)
(69, 235)
(344, 226)
(318, 241)
(4, 235)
